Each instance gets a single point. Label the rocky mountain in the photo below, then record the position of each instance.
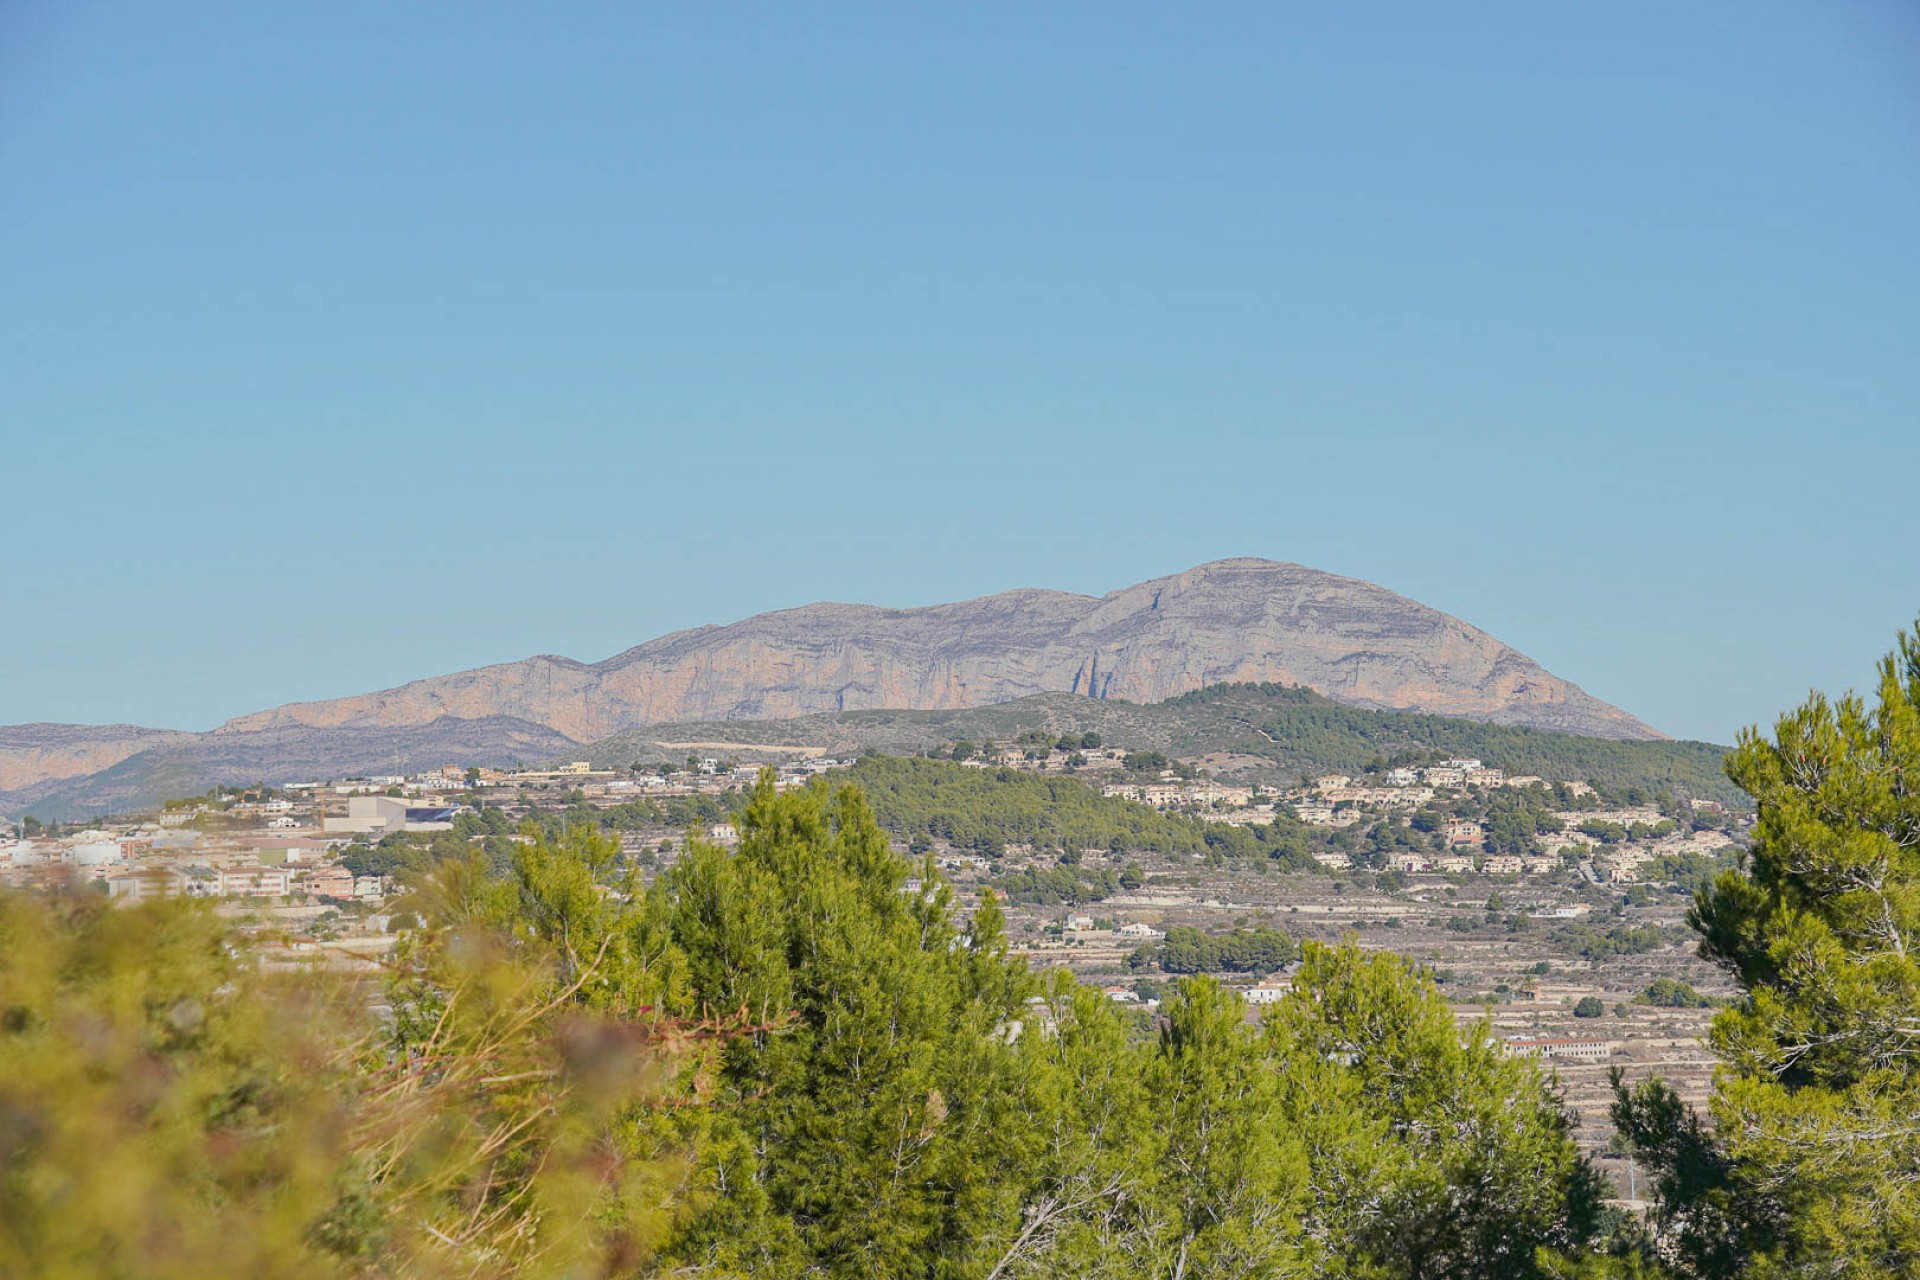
(35, 758)
(1231, 620)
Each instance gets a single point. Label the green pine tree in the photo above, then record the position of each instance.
(1811, 1164)
(878, 1128)
(1433, 1155)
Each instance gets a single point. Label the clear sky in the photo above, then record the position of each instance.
(348, 343)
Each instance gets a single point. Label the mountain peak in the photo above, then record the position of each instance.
(1242, 619)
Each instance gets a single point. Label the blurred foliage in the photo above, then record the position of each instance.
(169, 1110)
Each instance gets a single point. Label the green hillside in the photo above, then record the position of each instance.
(1321, 734)
(1275, 732)
(987, 809)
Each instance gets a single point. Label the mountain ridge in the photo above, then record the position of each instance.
(1132, 643)
(1239, 620)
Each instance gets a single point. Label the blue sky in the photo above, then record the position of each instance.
(350, 343)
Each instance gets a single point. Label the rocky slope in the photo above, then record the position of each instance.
(1232, 620)
(37, 757)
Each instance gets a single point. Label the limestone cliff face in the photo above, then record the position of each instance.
(1232, 620)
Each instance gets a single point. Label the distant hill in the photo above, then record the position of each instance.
(1229, 621)
(36, 759)
(187, 764)
(1271, 733)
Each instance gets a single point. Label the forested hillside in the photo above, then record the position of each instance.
(1322, 734)
(985, 810)
(1275, 732)
(918, 802)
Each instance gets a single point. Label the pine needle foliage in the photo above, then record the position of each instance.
(1810, 1165)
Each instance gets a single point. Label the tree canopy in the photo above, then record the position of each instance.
(1810, 1161)
(986, 810)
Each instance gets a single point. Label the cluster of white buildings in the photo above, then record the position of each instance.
(1165, 794)
(1338, 800)
(1456, 773)
(1266, 992)
(196, 880)
(146, 862)
(1560, 1049)
(1419, 783)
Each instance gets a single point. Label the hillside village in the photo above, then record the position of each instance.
(289, 848)
(272, 843)
(1608, 843)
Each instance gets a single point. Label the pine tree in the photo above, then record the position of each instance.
(1233, 1180)
(1431, 1156)
(1815, 1167)
(878, 1129)
(1085, 1210)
